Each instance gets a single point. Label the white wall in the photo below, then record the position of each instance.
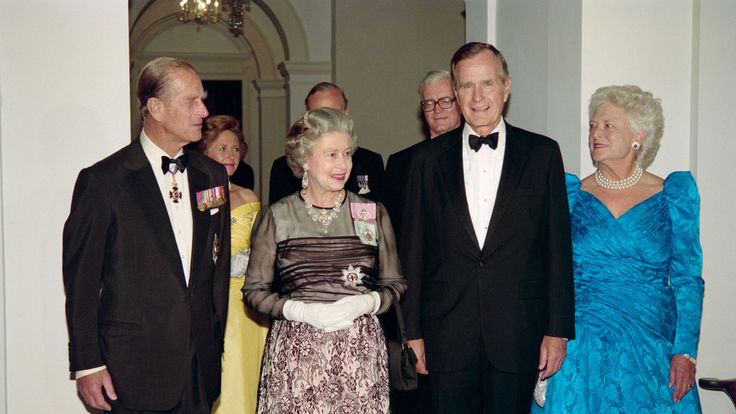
(316, 16)
(541, 42)
(480, 21)
(716, 149)
(64, 91)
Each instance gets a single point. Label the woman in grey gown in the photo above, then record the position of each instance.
(323, 263)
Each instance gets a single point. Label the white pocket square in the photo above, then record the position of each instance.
(214, 211)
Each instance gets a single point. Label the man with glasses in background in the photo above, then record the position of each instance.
(442, 114)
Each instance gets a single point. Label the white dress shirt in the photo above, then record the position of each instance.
(482, 173)
(180, 214)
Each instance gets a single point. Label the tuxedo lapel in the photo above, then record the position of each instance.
(144, 189)
(452, 185)
(200, 219)
(514, 162)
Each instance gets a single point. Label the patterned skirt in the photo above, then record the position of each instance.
(307, 370)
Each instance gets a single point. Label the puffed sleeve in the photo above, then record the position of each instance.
(389, 269)
(686, 259)
(259, 276)
(572, 183)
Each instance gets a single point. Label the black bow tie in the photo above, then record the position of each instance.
(476, 142)
(180, 164)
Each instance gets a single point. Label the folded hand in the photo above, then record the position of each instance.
(334, 316)
(682, 376)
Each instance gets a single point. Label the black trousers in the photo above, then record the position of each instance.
(481, 388)
(193, 398)
(418, 401)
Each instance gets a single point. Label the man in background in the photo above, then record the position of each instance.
(146, 260)
(366, 177)
(442, 114)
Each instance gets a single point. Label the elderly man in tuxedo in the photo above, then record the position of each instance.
(146, 260)
(486, 249)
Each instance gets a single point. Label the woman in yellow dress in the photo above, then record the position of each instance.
(246, 331)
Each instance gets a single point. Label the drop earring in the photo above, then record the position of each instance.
(305, 181)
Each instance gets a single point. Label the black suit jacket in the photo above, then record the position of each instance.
(128, 305)
(397, 176)
(516, 289)
(365, 162)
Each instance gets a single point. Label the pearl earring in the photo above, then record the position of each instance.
(636, 145)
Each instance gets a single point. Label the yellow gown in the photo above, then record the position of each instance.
(245, 331)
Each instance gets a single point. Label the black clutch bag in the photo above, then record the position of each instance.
(402, 362)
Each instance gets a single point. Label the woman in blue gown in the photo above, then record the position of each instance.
(637, 262)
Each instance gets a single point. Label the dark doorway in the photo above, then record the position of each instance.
(224, 97)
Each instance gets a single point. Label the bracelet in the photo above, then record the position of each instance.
(689, 358)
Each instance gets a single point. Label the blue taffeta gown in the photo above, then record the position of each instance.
(638, 301)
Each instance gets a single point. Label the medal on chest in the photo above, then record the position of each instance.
(363, 184)
(174, 194)
(364, 222)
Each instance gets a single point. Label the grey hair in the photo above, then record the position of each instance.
(645, 115)
(155, 79)
(433, 76)
(308, 129)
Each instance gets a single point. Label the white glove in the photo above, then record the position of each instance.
(351, 307)
(335, 316)
(356, 305)
(319, 315)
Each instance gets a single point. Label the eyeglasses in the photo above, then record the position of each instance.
(444, 103)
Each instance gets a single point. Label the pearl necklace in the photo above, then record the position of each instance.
(627, 182)
(323, 216)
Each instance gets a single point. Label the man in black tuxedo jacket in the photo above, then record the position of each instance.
(486, 249)
(366, 176)
(441, 114)
(146, 260)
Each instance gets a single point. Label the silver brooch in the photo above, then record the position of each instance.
(352, 276)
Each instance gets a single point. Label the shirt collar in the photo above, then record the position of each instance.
(153, 152)
(500, 128)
